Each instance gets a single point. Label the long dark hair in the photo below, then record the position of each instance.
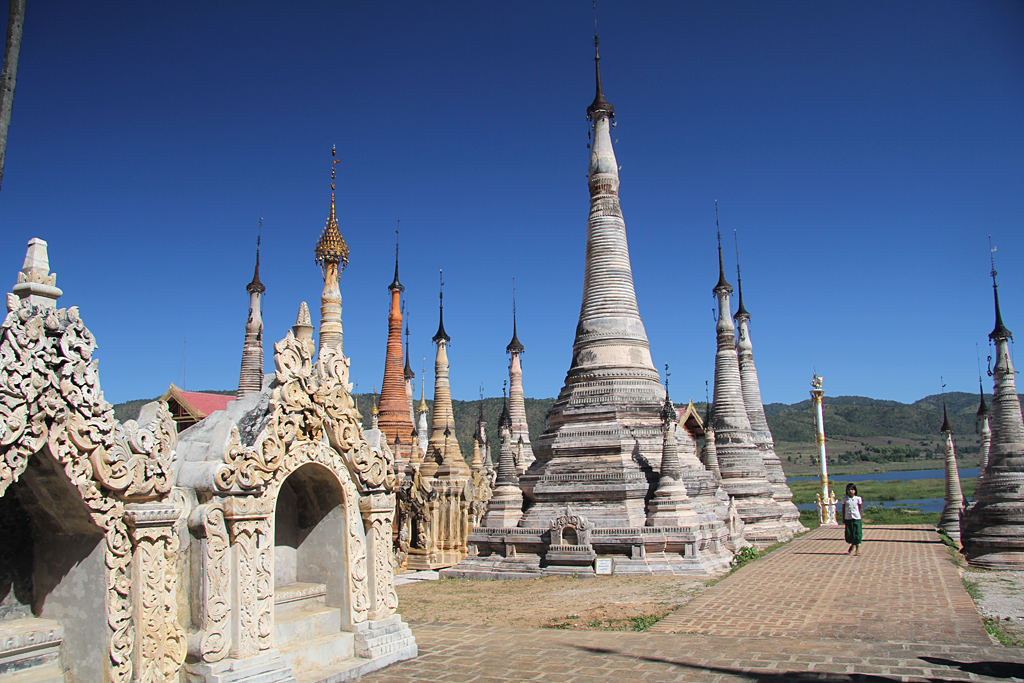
(851, 487)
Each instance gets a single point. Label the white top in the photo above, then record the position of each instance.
(851, 507)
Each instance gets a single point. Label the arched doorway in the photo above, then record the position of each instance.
(53, 579)
(311, 571)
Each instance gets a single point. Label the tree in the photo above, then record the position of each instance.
(15, 23)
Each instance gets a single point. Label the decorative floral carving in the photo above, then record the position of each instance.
(50, 398)
(310, 401)
(214, 641)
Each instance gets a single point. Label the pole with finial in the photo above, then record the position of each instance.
(826, 500)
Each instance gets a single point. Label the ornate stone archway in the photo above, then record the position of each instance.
(51, 407)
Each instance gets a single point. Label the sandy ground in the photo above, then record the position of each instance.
(1001, 598)
(615, 602)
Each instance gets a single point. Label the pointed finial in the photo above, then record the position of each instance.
(409, 374)
(396, 284)
(668, 411)
(332, 247)
(722, 283)
(1000, 331)
(505, 419)
(441, 334)
(741, 312)
(600, 106)
(514, 346)
(374, 410)
(946, 427)
(256, 285)
(423, 392)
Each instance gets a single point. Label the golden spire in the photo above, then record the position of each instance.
(374, 410)
(423, 398)
(332, 247)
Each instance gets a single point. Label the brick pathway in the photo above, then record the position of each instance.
(902, 588)
(776, 620)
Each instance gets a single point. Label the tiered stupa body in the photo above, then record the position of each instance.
(250, 378)
(517, 403)
(984, 432)
(332, 257)
(409, 377)
(440, 495)
(759, 423)
(422, 427)
(950, 519)
(602, 445)
(597, 462)
(992, 531)
(394, 417)
(740, 461)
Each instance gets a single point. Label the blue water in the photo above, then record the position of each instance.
(921, 504)
(965, 473)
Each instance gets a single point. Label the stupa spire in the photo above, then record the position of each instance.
(984, 430)
(439, 443)
(612, 391)
(331, 254)
(950, 519)
(516, 397)
(407, 372)
(441, 335)
(395, 419)
(740, 460)
(991, 530)
(250, 377)
(751, 387)
(741, 312)
(999, 331)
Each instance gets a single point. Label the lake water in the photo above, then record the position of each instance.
(921, 504)
(965, 473)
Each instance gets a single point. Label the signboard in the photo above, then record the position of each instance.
(604, 566)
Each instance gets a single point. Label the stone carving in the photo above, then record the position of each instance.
(51, 405)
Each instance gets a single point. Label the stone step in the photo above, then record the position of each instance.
(267, 667)
(293, 597)
(47, 673)
(296, 626)
(318, 653)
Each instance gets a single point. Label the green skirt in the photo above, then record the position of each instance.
(854, 531)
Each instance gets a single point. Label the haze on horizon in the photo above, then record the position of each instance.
(863, 152)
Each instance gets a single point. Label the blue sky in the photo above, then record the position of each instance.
(863, 151)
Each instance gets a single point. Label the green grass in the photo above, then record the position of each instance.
(972, 588)
(1008, 639)
(877, 515)
(915, 489)
(644, 621)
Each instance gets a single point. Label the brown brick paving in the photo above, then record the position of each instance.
(806, 612)
(901, 588)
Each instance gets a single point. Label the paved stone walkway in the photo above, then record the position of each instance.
(901, 588)
(807, 612)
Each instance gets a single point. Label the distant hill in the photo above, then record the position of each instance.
(846, 417)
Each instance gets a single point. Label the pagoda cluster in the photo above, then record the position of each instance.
(991, 526)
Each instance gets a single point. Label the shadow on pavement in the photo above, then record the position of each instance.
(781, 676)
(993, 669)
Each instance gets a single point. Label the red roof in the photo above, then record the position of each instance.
(207, 403)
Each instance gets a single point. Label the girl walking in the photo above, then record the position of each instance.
(851, 516)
